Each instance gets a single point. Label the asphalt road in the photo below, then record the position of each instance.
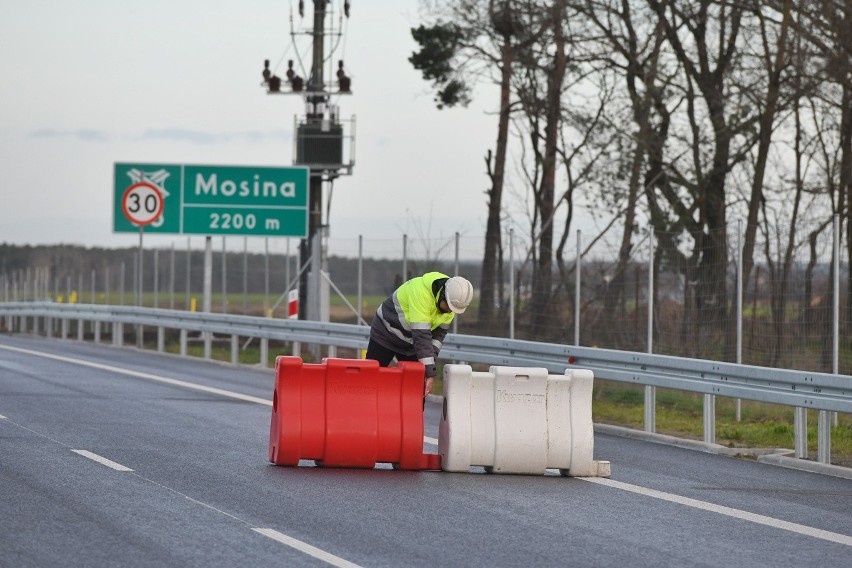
(117, 457)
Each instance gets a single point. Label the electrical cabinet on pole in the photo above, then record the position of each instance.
(320, 142)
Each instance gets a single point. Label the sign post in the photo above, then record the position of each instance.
(142, 204)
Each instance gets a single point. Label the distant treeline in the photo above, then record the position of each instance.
(70, 266)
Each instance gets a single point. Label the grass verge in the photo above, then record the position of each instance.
(761, 425)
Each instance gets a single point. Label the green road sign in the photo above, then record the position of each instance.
(211, 200)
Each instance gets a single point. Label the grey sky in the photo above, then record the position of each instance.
(87, 83)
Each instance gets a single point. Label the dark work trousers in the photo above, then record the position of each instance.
(384, 355)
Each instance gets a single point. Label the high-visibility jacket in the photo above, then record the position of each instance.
(409, 322)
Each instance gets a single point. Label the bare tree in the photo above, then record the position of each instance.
(468, 34)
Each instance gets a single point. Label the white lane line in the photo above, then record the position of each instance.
(2, 417)
(101, 460)
(158, 378)
(141, 375)
(270, 533)
(306, 548)
(722, 510)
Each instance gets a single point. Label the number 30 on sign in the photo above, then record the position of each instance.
(142, 203)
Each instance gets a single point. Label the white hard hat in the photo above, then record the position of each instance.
(458, 293)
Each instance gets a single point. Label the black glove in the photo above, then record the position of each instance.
(431, 371)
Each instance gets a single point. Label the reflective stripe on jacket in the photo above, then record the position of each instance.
(410, 323)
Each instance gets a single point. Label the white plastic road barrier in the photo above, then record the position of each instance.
(518, 420)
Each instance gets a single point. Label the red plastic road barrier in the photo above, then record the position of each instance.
(348, 413)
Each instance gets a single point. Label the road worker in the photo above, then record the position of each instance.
(410, 325)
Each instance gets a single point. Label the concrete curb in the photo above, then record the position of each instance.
(773, 456)
(807, 465)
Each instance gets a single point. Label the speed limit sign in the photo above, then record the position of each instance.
(142, 203)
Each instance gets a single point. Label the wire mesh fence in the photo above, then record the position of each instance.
(788, 308)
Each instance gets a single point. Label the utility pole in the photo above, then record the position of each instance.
(319, 145)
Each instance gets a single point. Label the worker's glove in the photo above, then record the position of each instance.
(431, 371)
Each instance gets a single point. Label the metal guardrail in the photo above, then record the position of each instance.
(821, 391)
(802, 390)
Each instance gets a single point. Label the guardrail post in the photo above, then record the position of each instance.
(824, 437)
(710, 418)
(208, 344)
(800, 432)
(650, 418)
(235, 349)
(161, 339)
(264, 352)
(118, 334)
(79, 330)
(183, 334)
(35, 326)
(48, 328)
(64, 328)
(97, 331)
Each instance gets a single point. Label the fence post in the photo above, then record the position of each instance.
(172, 277)
(188, 274)
(650, 391)
(578, 268)
(456, 273)
(740, 277)
(360, 279)
(245, 272)
(224, 277)
(208, 293)
(156, 278)
(512, 283)
(824, 420)
(266, 278)
(404, 257)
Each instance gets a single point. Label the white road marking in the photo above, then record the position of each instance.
(141, 375)
(722, 510)
(2, 417)
(270, 533)
(306, 548)
(101, 460)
